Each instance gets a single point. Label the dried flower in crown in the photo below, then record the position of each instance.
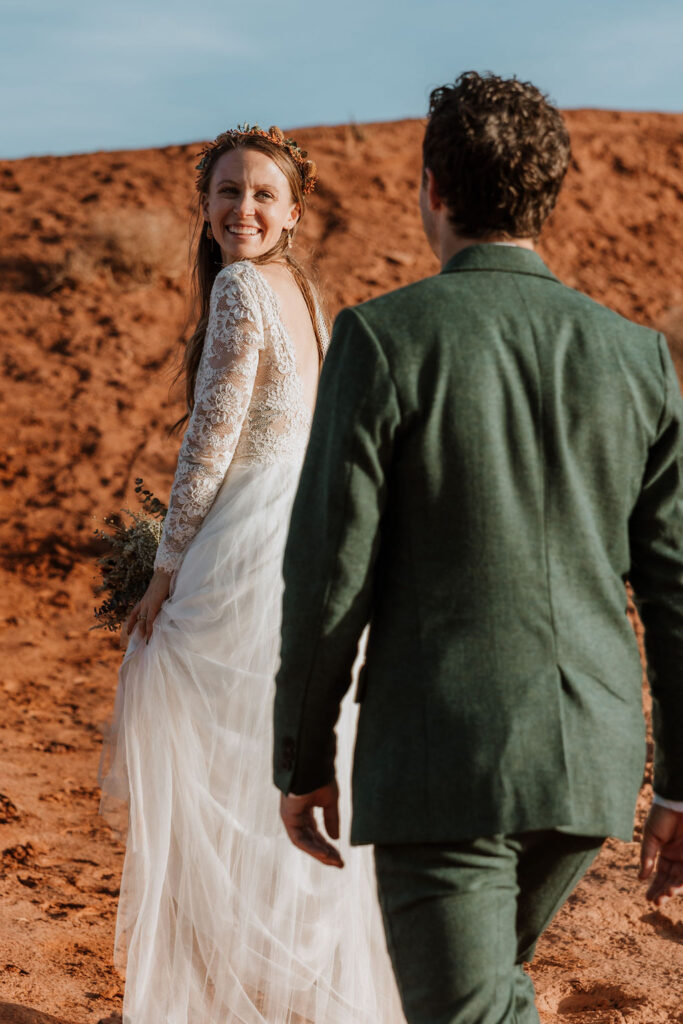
(307, 168)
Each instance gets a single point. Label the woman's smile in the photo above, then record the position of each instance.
(244, 230)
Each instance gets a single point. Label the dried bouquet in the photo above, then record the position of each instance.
(127, 567)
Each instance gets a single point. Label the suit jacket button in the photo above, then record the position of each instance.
(287, 754)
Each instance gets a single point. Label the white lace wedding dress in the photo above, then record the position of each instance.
(221, 919)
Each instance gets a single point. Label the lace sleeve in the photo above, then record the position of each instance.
(225, 382)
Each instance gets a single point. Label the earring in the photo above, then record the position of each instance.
(290, 238)
(209, 232)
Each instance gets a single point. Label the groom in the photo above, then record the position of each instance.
(492, 456)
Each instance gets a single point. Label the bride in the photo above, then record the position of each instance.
(220, 918)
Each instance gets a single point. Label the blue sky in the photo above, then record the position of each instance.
(79, 75)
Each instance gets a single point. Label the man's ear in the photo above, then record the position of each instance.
(433, 198)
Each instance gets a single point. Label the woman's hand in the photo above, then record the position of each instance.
(147, 609)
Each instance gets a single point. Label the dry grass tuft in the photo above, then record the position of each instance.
(128, 247)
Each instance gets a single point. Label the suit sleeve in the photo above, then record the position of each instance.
(331, 551)
(656, 535)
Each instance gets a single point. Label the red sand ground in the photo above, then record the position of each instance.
(93, 298)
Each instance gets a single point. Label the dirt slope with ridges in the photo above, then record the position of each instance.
(93, 300)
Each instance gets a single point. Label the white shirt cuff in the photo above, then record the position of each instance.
(673, 805)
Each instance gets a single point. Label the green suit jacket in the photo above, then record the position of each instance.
(492, 456)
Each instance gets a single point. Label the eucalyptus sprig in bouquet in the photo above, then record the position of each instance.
(128, 565)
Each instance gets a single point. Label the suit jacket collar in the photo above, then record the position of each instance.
(506, 258)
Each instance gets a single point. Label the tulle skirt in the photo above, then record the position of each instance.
(220, 918)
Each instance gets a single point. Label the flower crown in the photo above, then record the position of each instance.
(307, 168)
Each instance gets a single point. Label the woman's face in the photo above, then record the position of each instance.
(249, 204)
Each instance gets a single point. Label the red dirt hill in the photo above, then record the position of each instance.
(93, 293)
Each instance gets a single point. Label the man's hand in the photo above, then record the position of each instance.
(302, 828)
(662, 846)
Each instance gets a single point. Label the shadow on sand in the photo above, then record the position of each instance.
(664, 926)
(12, 1013)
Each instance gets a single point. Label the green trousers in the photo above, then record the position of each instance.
(462, 918)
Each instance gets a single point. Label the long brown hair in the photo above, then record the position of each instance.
(208, 258)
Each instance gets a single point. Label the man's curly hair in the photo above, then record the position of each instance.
(499, 152)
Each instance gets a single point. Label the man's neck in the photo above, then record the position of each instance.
(452, 244)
